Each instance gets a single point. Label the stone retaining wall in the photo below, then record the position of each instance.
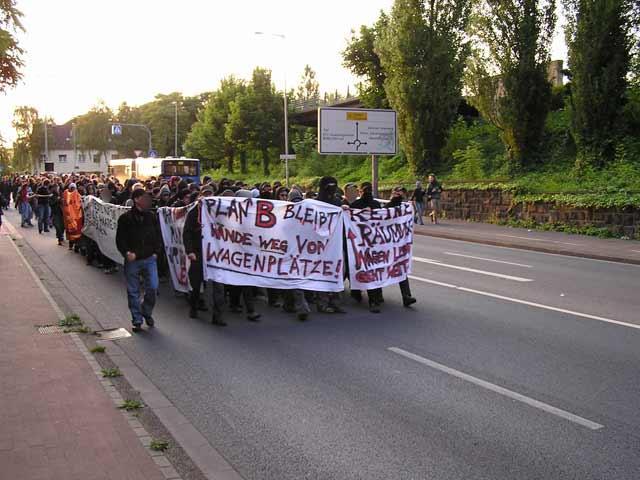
(493, 205)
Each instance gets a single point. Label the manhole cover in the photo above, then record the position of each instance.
(50, 329)
(113, 334)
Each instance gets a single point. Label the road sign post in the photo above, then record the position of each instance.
(344, 131)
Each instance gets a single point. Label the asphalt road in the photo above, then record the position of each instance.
(513, 365)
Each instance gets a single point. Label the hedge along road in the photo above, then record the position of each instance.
(329, 399)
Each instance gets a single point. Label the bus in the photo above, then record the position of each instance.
(163, 168)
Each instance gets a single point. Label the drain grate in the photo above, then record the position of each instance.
(50, 329)
(113, 334)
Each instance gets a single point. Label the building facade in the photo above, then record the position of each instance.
(65, 157)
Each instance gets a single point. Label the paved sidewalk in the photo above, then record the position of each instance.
(626, 251)
(57, 422)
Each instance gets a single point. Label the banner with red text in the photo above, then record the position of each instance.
(172, 225)
(265, 243)
(379, 246)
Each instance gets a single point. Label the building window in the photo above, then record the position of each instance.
(81, 158)
(96, 158)
(115, 156)
(62, 158)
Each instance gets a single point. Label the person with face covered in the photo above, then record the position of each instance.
(138, 240)
(328, 193)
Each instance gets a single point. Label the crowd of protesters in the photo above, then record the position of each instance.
(46, 201)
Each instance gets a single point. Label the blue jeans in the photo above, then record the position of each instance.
(133, 271)
(44, 212)
(419, 213)
(25, 212)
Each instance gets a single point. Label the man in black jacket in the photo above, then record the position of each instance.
(138, 239)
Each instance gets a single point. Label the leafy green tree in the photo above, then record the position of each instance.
(361, 58)
(132, 138)
(507, 74)
(266, 130)
(93, 130)
(159, 115)
(29, 143)
(207, 138)
(423, 51)
(308, 89)
(238, 127)
(10, 53)
(599, 42)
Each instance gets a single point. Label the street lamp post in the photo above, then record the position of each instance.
(286, 107)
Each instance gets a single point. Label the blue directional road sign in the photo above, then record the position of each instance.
(116, 129)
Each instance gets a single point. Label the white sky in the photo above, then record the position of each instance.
(82, 51)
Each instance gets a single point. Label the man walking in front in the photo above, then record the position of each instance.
(138, 240)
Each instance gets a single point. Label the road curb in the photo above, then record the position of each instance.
(533, 248)
(211, 463)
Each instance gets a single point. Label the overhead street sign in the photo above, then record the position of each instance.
(359, 131)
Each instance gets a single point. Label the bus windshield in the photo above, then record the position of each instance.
(186, 168)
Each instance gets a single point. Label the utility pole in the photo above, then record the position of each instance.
(46, 146)
(374, 175)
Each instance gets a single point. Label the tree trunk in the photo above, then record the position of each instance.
(230, 163)
(265, 161)
(243, 162)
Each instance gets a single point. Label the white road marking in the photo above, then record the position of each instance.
(525, 251)
(467, 269)
(500, 390)
(538, 239)
(636, 251)
(487, 259)
(525, 302)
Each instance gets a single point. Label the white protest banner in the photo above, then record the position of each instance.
(172, 225)
(101, 224)
(273, 244)
(379, 246)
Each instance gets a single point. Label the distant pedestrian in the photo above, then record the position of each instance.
(417, 198)
(434, 189)
(138, 240)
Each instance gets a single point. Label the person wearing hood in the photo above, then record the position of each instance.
(398, 196)
(164, 196)
(328, 193)
(417, 198)
(366, 200)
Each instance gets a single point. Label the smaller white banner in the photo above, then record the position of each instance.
(379, 246)
(172, 225)
(101, 224)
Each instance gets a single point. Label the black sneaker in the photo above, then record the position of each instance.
(408, 301)
(193, 313)
(217, 321)
(136, 328)
(150, 321)
(303, 316)
(374, 308)
(254, 317)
